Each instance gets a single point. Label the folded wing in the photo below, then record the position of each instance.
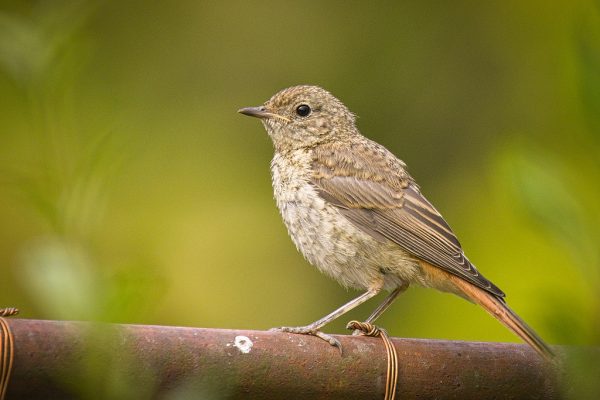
(372, 189)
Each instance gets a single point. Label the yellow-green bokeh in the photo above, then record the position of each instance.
(131, 191)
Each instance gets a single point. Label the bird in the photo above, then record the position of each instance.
(356, 214)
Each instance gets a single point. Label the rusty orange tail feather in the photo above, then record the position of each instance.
(494, 305)
(502, 312)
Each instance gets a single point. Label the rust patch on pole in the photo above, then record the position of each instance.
(69, 360)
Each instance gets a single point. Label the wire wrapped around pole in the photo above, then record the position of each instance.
(7, 347)
(391, 380)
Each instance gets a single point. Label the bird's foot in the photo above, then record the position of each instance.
(309, 330)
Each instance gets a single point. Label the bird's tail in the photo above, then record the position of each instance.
(500, 310)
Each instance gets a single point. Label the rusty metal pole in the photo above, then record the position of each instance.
(72, 360)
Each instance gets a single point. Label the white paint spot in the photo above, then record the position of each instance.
(243, 343)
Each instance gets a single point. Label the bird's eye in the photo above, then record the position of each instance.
(303, 110)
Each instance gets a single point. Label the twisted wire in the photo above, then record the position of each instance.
(7, 344)
(391, 381)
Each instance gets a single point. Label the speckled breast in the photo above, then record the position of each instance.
(326, 238)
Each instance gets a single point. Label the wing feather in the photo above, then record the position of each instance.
(372, 189)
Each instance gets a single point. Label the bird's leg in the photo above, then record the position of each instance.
(313, 329)
(384, 305)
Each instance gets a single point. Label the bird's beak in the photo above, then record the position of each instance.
(260, 112)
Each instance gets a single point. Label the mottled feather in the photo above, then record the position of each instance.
(372, 189)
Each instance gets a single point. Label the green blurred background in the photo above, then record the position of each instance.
(132, 192)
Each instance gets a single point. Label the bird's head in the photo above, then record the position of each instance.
(303, 116)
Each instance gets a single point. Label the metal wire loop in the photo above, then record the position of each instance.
(368, 329)
(7, 344)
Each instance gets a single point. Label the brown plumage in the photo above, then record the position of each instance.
(373, 190)
(355, 213)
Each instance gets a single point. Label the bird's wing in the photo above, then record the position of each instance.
(372, 189)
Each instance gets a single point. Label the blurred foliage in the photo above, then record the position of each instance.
(130, 191)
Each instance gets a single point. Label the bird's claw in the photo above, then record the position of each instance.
(308, 330)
